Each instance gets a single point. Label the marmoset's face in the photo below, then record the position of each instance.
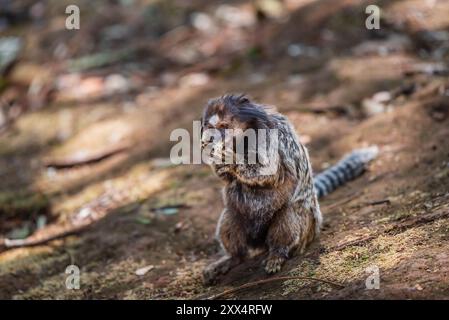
(221, 116)
(226, 119)
(233, 112)
(217, 128)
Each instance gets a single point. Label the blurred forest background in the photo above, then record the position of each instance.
(85, 119)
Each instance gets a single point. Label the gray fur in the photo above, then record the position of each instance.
(350, 167)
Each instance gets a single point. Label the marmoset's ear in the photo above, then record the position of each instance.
(243, 99)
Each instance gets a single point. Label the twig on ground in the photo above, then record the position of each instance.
(372, 203)
(378, 202)
(264, 281)
(73, 161)
(344, 201)
(38, 239)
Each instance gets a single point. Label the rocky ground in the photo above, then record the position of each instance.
(84, 144)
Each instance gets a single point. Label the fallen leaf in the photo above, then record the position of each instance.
(142, 271)
(169, 211)
(9, 49)
(20, 233)
(41, 222)
(143, 220)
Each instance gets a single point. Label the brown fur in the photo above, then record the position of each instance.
(278, 212)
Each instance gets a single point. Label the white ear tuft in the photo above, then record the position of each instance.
(213, 120)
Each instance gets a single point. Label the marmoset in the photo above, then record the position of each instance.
(278, 211)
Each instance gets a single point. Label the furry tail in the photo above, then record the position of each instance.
(350, 167)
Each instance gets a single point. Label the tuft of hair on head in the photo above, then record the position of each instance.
(235, 99)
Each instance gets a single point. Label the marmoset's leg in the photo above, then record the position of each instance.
(292, 228)
(233, 241)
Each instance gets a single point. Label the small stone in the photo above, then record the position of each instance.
(298, 49)
(383, 96)
(116, 83)
(235, 17)
(203, 22)
(84, 213)
(194, 80)
(372, 107)
(179, 226)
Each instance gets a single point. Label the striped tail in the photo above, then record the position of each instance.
(350, 167)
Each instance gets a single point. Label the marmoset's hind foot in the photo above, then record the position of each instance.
(217, 268)
(274, 264)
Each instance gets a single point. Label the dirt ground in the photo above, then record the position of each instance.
(86, 154)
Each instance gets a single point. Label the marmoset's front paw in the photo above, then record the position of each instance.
(274, 264)
(217, 268)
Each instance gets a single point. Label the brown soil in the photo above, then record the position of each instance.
(395, 216)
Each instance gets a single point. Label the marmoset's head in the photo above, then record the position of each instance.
(234, 112)
(229, 120)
